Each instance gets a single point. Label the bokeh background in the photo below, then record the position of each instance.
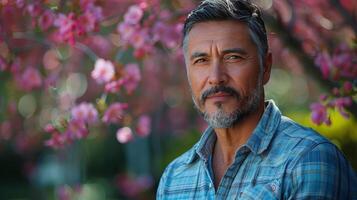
(65, 64)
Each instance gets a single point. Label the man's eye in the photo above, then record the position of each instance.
(233, 57)
(200, 60)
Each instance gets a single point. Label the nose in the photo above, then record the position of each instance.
(218, 75)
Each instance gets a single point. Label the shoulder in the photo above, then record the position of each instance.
(292, 140)
(299, 133)
(316, 167)
(182, 167)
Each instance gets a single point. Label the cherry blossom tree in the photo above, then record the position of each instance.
(74, 69)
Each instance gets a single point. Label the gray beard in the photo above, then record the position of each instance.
(222, 119)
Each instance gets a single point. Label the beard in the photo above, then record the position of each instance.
(223, 119)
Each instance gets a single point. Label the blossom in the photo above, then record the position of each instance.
(3, 64)
(103, 71)
(76, 129)
(323, 60)
(46, 20)
(124, 135)
(126, 30)
(319, 114)
(114, 86)
(30, 79)
(169, 35)
(88, 21)
(133, 186)
(114, 113)
(67, 27)
(34, 9)
(347, 87)
(341, 103)
(139, 38)
(132, 77)
(5, 130)
(85, 112)
(57, 140)
(133, 15)
(143, 127)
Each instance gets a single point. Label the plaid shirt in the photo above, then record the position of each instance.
(280, 160)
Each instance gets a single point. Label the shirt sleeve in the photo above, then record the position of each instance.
(323, 173)
(161, 187)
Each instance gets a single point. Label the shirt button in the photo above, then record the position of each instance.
(210, 185)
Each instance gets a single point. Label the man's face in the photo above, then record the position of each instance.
(223, 70)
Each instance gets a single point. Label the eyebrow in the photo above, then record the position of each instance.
(235, 50)
(197, 55)
(226, 51)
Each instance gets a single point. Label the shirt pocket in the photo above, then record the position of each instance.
(264, 191)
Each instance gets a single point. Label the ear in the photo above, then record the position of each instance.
(267, 68)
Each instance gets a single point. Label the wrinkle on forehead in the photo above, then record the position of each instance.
(209, 36)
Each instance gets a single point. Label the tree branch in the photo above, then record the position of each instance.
(308, 64)
(350, 20)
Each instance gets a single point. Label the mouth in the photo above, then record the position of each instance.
(219, 96)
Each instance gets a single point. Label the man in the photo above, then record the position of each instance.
(249, 151)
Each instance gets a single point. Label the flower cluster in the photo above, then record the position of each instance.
(339, 100)
(77, 128)
(133, 186)
(143, 33)
(341, 64)
(67, 26)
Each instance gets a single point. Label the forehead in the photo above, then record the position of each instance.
(221, 34)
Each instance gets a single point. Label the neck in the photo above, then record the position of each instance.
(230, 139)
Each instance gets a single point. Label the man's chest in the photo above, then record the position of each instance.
(248, 178)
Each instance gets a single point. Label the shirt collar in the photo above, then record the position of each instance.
(258, 142)
(262, 135)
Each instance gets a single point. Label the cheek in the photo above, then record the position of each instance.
(196, 81)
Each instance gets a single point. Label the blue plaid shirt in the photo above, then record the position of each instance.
(280, 160)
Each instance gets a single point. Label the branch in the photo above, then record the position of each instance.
(345, 14)
(308, 64)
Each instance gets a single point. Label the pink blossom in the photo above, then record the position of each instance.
(20, 3)
(323, 60)
(5, 130)
(343, 60)
(15, 67)
(85, 112)
(114, 86)
(103, 71)
(30, 79)
(132, 77)
(341, 103)
(169, 35)
(46, 20)
(67, 28)
(76, 129)
(319, 114)
(89, 20)
(139, 38)
(3, 64)
(133, 15)
(143, 127)
(49, 128)
(114, 113)
(34, 9)
(323, 97)
(347, 87)
(126, 30)
(133, 186)
(56, 141)
(124, 135)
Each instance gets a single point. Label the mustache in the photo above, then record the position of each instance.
(217, 89)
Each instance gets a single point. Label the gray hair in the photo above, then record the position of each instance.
(237, 10)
